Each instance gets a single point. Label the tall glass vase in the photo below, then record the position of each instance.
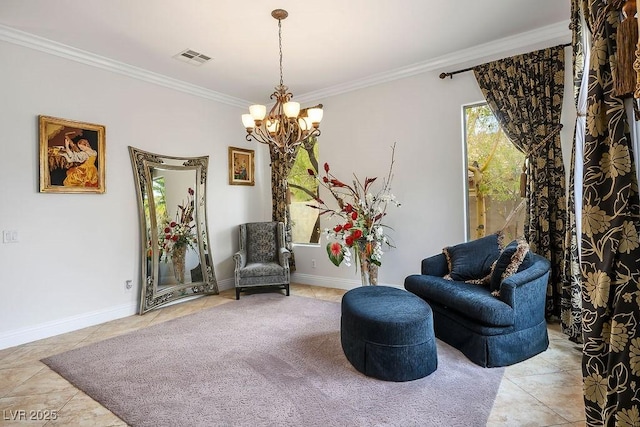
(368, 270)
(178, 260)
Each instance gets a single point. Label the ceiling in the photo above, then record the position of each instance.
(328, 45)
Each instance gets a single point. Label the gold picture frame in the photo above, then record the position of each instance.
(241, 166)
(72, 156)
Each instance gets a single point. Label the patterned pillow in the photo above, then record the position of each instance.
(514, 258)
(471, 261)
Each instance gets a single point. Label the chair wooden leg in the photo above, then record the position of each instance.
(287, 288)
(237, 294)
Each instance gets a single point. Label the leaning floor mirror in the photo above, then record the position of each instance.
(176, 259)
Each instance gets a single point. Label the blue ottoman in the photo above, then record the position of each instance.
(387, 333)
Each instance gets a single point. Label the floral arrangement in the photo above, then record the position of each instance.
(179, 234)
(360, 212)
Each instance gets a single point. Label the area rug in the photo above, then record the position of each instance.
(267, 360)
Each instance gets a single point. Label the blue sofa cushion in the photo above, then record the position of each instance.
(472, 260)
(515, 257)
(470, 301)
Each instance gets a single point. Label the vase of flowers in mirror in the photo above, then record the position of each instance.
(179, 236)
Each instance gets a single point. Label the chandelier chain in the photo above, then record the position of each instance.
(280, 46)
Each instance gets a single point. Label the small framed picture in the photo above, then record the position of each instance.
(72, 156)
(241, 168)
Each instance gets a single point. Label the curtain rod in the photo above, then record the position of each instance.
(444, 75)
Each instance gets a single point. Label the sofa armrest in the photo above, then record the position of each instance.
(526, 292)
(283, 257)
(240, 258)
(435, 266)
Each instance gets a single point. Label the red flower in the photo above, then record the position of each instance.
(348, 208)
(354, 215)
(172, 224)
(349, 240)
(337, 228)
(325, 179)
(347, 226)
(167, 230)
(326, 167)
(311, 172)
(336, 248)
(357, 234)
(191, 192)
(337, 183)
(174, 238)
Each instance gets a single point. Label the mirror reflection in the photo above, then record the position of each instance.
(175, 245)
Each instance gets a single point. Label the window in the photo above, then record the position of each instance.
(494, 166)
(159, 197)
(305, 221)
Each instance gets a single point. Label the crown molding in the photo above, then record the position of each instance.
(32, 41)
(556, 33)
(552, 34)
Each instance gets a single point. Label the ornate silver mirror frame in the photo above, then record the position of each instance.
(174, 238)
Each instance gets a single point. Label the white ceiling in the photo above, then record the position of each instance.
(327, 44)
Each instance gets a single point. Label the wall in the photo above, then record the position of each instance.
(76, 250)
(422, 115)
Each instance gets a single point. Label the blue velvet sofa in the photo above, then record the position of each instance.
(496, 318)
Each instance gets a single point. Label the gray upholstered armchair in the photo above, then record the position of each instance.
(262, 259)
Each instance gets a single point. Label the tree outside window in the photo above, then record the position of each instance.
(303, 188)
(494, 168)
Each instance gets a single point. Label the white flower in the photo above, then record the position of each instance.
(347, 256)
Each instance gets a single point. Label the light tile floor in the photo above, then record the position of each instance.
(545, 390)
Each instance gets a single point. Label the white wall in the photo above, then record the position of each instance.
(76, 250)
(422, 115)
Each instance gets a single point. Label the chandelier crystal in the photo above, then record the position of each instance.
(286, 126)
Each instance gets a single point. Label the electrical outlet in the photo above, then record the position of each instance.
(10, 236)
(128, 285)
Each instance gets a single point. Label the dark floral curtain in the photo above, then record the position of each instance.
(571, 300)
(525, 94)
(610, 253)
(281, 164)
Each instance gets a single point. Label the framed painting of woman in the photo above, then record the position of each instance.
(72, 156)
(241, 166)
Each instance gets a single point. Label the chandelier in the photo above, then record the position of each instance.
(286, 126)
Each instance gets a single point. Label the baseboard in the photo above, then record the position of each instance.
(226, 284)
(329, 282)
(73, 323)
(61, 326)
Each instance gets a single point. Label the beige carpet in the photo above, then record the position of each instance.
(267, 360)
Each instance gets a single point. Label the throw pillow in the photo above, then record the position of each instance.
(471, 261)
(514, 258)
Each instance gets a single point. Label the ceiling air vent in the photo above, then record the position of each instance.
(192, 57)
